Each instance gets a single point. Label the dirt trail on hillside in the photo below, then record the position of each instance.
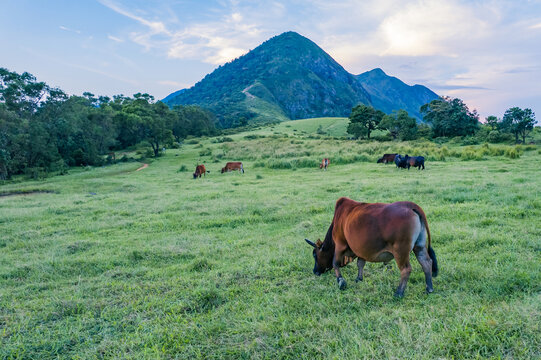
(142, 167)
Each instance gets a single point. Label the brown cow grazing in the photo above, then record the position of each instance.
(200, 170)
(376, 233)
(234, 165)
(387, 158)
(324, 164)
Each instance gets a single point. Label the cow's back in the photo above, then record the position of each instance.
(366, 228)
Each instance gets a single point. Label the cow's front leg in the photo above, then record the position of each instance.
(337, 261)
(360, 267)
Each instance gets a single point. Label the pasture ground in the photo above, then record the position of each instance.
(153, 264)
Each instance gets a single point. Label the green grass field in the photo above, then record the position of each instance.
(116, 263)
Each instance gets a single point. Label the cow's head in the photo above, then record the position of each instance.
(322, 257)
(195, 175)
(380, 160)
(223, 170)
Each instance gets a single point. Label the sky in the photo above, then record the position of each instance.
(485, 52)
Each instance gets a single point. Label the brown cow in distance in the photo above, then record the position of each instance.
(200, 170)
(324, 164)
(376, 232)
(387, 158)
(233, 165)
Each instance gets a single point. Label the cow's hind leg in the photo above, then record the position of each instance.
(426, 263)
(404, 265)
(360, 266)
(337, 261)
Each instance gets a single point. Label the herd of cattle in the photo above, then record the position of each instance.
(404, 162)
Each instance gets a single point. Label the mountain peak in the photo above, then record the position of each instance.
(377, 71)
(289, 77)
(390, 93)
(286, 77)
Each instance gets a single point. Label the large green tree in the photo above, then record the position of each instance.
(363, 120)
(154, 120)
(519, 122)
(450, 117)
(192, 120)
(492, 121)
(400, 125)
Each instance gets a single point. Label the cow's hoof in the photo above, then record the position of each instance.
(358, 279)
(399, 295)
(429, 290)
(341, 283)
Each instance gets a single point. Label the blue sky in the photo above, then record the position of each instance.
(487, 53)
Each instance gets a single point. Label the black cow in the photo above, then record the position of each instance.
(415, 161)
(400, 161)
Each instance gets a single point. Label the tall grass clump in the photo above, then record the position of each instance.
(512, 153)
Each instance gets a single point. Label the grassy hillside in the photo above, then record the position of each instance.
(329, 126)
(117, 263)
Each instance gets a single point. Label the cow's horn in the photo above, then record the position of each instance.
(309, 242)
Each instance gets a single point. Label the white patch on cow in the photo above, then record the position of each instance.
(418, 234)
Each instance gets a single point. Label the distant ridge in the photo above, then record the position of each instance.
(389, 93)
(290, 77)
(172, 95)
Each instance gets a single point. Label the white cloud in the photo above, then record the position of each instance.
(114, 38)
(155, 26)
(69, 30)
(213, 42)
(430, 28)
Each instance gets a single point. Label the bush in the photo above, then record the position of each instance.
(424, 131)
(496, 136)
(183, 168)
(512, 153)
(527, 147)
(470, 154)
(383, 137)
(192, 141)
(470, 140)
(441, 140)
(60, 166)
(253, 136)
(224, 139)
(444, 151)
(35, 173)
(205, 152)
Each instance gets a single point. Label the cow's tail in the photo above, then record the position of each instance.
(431, 252)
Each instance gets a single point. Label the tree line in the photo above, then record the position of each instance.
(443, 117)
(42, 129)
